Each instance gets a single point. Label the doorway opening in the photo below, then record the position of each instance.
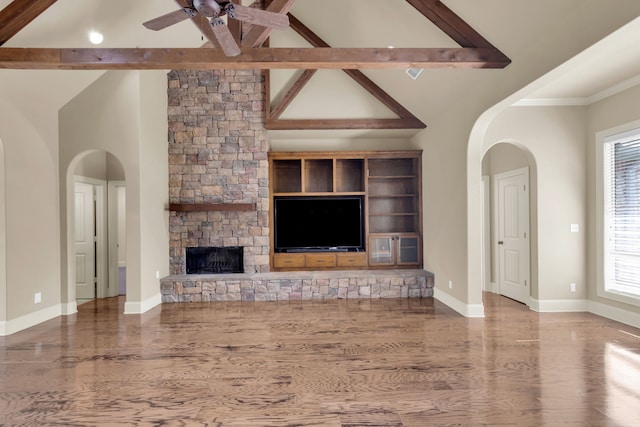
(99, 227)
(509, 199)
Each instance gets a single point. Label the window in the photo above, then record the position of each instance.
(621, 220)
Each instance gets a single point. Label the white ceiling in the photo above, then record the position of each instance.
(344, 24)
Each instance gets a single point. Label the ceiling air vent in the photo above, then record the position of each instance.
(414, 73)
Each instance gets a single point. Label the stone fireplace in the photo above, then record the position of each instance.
(218, 148)
(219, 197)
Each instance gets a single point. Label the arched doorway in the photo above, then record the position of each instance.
(97, 224)
(509, 240)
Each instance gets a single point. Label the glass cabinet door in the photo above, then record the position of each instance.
(408, 250)
(381, 250)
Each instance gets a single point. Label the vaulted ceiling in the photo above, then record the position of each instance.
(362, 31)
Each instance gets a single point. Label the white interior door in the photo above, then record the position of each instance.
(85, 249)
(513, 234)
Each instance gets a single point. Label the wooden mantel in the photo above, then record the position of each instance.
(211, 207)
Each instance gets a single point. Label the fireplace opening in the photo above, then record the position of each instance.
(215, 260)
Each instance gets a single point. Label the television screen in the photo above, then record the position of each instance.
(322, 223)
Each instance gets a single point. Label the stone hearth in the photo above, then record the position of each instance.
(303, 285)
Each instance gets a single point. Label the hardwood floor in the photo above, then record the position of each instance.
(407, 362)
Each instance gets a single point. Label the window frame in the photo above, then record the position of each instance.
(602, 138)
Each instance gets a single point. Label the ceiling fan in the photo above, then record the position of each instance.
(206, 15)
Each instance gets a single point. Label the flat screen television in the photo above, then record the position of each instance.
(307, 224)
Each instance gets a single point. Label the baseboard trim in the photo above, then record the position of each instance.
(21, 323)
(618, 314)
(492, 287)
(467, 310)
(559, 305)
(135, 307)
(69, 308)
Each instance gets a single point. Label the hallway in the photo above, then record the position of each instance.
(405, 362)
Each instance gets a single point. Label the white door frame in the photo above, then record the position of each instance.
(496, 231)
(113, 208)
(102, 254)
(487, 284)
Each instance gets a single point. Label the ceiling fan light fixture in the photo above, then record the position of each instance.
(96, 37)
(209, 8)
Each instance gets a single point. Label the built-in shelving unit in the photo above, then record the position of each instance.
(389, 183)
(394, 211)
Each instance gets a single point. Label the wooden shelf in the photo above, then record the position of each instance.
(393, 196)
(211, 207)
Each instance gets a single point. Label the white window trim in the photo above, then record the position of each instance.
(600, 244)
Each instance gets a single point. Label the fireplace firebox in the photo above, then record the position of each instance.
(215, 260)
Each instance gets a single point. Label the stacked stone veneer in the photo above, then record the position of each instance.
(289, 286)
(218, 148)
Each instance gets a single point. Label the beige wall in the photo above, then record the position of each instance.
(555, 137)
(31, 207)
(453, 151)
(109, 116)
(100, 165)
(608, 113)
(533, 66)
(503, 157)
(3, 242)
(154, 184)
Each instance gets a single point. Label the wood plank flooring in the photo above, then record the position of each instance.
(347, 363)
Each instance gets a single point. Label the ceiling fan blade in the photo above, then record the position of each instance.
(169, 19)
(225, 38)
(260, 17)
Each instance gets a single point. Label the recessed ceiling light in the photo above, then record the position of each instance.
(96, 37)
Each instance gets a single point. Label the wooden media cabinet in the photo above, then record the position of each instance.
(389, 183)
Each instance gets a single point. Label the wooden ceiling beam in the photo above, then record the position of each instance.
(450, 23)
(405, 116)
(257, 58)
(333, 124)
(257, 35)
(18, 14)
(277, 110)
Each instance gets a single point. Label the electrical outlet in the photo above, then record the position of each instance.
(157, 274)
(450, 284)
(37, 298)
(573, 287)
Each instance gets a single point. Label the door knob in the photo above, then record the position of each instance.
(501, 242)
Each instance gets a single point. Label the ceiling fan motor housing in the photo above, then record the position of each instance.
(209, 8)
